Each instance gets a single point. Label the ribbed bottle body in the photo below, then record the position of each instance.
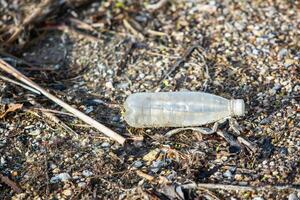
(175, 109)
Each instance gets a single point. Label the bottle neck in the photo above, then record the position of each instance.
(237, 107)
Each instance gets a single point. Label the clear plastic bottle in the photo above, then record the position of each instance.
(179, 109)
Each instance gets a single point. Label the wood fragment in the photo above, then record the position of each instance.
(129, 27)
(81, 25)
(108, 132)
(19, 84)
(56, 112)
(144, 175)
(14, 186)
(11, 108)
(157, 33)
(229, 138)
(248, 187)
(248, 144)
(46, 112)
(54, 119)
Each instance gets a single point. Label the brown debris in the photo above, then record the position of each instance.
(11, 108)
(9, 69)
(14, 186)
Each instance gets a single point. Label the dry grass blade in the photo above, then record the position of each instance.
(108, 132)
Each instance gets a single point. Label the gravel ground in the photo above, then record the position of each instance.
(242, 49)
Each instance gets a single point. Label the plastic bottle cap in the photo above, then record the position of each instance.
(238, 107)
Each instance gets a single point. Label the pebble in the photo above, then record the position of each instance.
(265, 121)
(293, 196)
(276, 87)
(115, 119)
(157, 165)
(29, 127)
(2, 143)
(60, 177)
(288, 62)
(89, 109)
(137, 164)
(238, 177)
(87, 173)
(53, 166)
(283, 151)
(2, 161)
(109, 85)
(81, 184)
(258, 198)
(228, 174)
(105, 145)
(282, 53)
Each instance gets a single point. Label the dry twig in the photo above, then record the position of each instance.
(144, 175)
(53, 118)
(40, 11)
(11, 184)
(108, 132)
(129, 27)
(248, 187)
(19, 84)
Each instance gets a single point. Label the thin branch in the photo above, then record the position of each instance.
(53, 118)
(243, 187)
(108, 132)
(53, 111)
(19, 84)
(11, 184)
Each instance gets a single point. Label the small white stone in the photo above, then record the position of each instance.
(35, 132)
(81, 184)
(53, 166)
(87, 173)
(258, 198)
(60, 177)
(2, 161)
(109, 85)
(105, 145)
(293, 196)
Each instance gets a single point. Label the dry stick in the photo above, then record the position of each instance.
(11, 184)
(247, 188)
(19, 84)
(53, 118)
(54, 111)
(108, 132)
